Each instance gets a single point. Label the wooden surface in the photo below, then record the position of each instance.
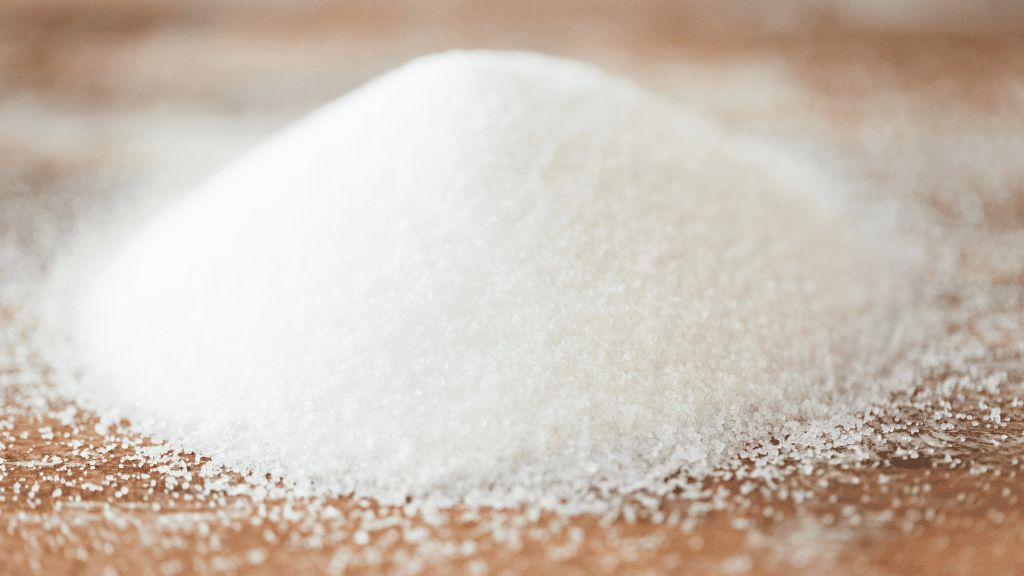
(104, 100)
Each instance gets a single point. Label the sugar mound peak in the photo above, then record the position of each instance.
(488, 277)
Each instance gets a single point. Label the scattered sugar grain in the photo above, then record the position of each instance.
(492, 278)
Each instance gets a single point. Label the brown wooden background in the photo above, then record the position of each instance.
(106, 99)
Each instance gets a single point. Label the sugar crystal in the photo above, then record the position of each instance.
(493, 278)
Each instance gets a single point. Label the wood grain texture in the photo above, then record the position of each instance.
(100, 99)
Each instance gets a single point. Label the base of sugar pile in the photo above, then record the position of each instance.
(494, 279)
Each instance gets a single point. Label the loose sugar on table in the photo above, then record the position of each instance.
(490, 278)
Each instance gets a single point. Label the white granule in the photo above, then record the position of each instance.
(490, 278)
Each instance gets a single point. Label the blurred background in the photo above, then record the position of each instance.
(912, 109)
(920, 97)
(917, 98)
(261, 51)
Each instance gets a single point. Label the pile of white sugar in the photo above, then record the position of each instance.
(491, 278)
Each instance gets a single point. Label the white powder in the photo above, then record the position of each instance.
(494, 278)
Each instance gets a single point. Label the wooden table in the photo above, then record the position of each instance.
(103, 100)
